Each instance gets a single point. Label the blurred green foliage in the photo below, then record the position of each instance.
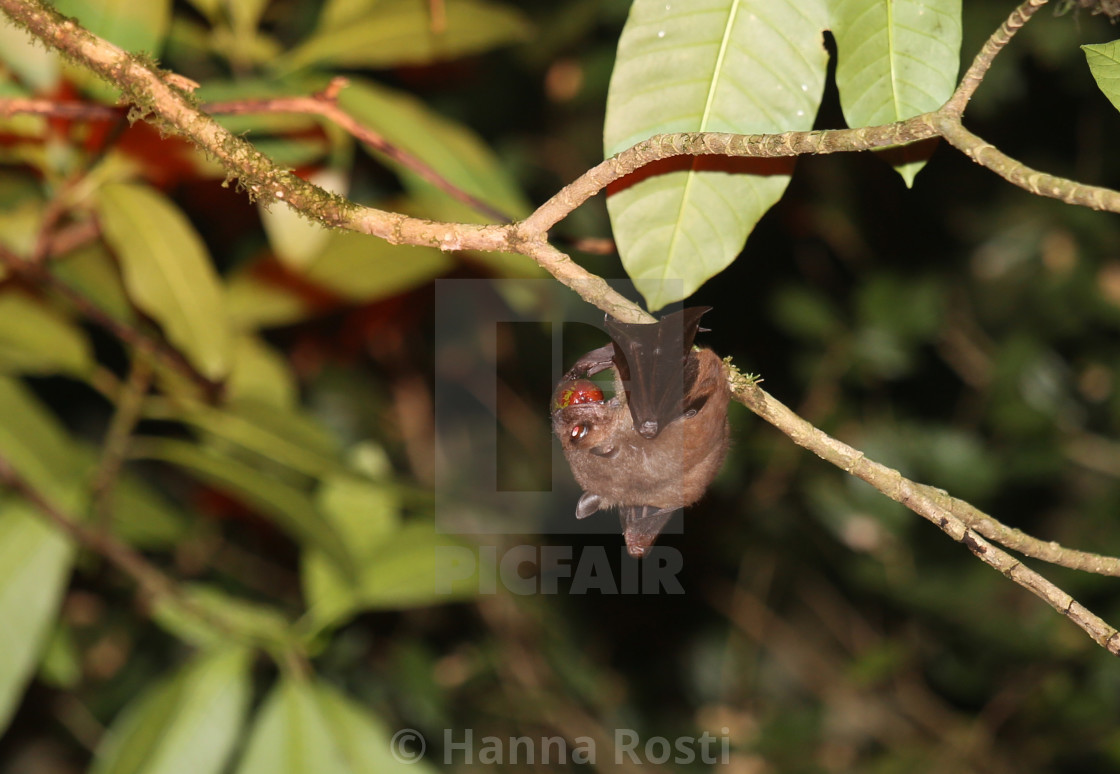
(963, 332)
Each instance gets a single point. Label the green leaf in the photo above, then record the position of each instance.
(743, 66)
(245, 15)
(294, 151)
(895, 60)
(363, 739)
(1104, 64)
(134, 25)
(34, 64)
(167, 272)
(353, 267)
(91, 271)
(20, 223)
(453, 150)
(37, 446)
(287, 506)
(223, 619)
(211, 9)
(392, 33)
(291, 734)
(365, 512)
(61, 665)
(36, 339)
(405, 570)
(60, 466)
(309, 727)
(402, 572)
(142, 517)
(340, 13)
(363, 268)
(188, 724)
(805, 313)
(34, 565)
(260, 374)
(281, 435)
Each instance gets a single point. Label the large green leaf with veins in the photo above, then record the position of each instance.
(392, 33)
(1104, 63)
(747, 67)
(897, 59)
(705, 66)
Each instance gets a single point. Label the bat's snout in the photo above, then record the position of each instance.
(649, 429)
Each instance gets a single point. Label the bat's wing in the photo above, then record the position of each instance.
(641, 524)
(657, 367)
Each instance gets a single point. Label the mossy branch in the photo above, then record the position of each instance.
(158, 99)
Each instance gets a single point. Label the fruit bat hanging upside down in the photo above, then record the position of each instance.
(660, 440)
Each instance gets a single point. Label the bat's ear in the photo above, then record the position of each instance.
(587, 505)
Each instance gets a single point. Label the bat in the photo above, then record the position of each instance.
(657, 443)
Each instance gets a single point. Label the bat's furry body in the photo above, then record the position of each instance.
(660, 440)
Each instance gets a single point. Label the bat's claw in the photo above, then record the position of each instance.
(592, 363)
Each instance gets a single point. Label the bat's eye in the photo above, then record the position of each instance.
(578, 432)
(576, 392)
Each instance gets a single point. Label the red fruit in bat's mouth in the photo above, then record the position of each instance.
(576, 392)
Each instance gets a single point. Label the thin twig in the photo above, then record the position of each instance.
(974, 76)
(666, 146)
(70, 237)
(1045, 550)
(55, 210)
(1019, 174)
(916, 497)
(153, 582)
(82, 111)
(147, 576)
(325, 104)
(130, 403)
(126, 333)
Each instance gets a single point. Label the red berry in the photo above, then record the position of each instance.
(575, 392)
